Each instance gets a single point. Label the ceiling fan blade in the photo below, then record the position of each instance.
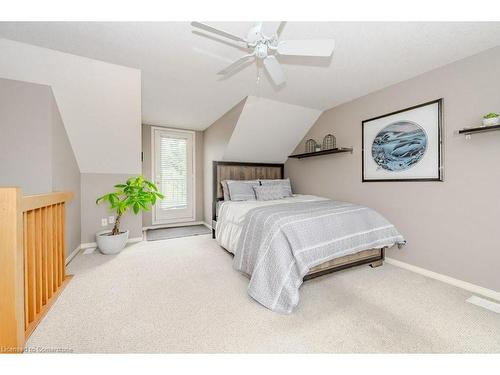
(236, 64)
(280, 28)
(214, 30)
(215, 37)
(317, 47)
(270, 29)
(274, 69)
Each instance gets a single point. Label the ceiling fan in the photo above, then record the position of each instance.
(265, 48)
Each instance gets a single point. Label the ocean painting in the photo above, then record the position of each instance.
(399, 146)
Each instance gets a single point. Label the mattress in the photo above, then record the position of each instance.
(231, 215)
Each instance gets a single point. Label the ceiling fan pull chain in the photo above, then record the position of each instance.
(258, 85)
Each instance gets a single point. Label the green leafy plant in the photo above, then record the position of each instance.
(491, 115)
(137, 193)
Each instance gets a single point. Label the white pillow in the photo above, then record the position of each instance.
(284, 183)
(242, 190)
(268, 192)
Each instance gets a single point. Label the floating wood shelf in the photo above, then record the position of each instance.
(479, 129)
(323, 152)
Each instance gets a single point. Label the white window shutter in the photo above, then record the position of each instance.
(174, 172)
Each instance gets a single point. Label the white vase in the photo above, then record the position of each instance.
(491, 121)
(111, 244)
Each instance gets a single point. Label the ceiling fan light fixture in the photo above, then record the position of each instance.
(261, 50)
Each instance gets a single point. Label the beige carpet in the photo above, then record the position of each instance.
(182, 295)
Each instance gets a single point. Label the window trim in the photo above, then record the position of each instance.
(154, 220)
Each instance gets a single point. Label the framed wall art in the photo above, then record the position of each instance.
(404, 145)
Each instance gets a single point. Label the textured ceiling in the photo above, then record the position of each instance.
(179, 82)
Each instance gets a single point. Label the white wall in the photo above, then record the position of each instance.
(215, 139)
(268, 131)
(100, 103)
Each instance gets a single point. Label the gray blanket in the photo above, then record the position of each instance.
(279, 244)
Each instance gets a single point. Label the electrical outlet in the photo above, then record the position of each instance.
(111, 219)
(104, 222)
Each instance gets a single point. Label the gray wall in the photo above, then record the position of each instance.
(215, 140)
(26, 136)
(66, 177)
(147, 217)
(35, 150)
(93, 186)
(451, 226)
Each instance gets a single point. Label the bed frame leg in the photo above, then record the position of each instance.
(378, 263)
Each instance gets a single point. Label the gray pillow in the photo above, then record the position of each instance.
(225, 190)
(268, 192)
(284, 183)
(242, 190)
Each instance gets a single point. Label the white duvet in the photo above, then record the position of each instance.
(231, 217)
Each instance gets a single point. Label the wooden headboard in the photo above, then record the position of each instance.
(233, 170)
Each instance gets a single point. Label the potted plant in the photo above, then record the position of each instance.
(491, 119)
(136, 193)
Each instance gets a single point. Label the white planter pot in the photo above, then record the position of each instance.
(109, 244)
(491, 121)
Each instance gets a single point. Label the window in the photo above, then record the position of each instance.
(173, 165)
(174, 174)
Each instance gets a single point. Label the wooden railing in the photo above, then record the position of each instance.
(32, 261)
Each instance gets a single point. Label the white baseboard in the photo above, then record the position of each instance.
(161, 226)
(73, 254)
(93, 244)
(135, 239)
(207, 225)
(476, 289)
(484, 303)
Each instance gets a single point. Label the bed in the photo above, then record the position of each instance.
(279, 244)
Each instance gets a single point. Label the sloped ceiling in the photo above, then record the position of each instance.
(179, 83)
(268, 130)
(100, 103)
